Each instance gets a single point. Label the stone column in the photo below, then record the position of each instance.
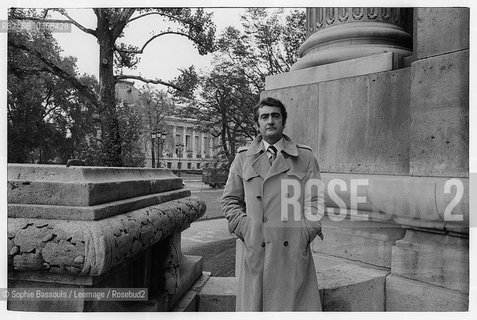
(174, 141)
(202, 145)
(184, 138)
(211, 143)
(194, 150)
(338, 34)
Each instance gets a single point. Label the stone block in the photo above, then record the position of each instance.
(354, 125)
(332, 71)
(441, 30)
(94, 247)
(190, 270)
(436, 259)
(440, 116)
(364, 124)
(219, 294)
(190, 301)
(349, 287)
(366, 241)
(409, 295)
(423, 202)
(84, 186)
(133, 243)
(302, 108)
(95, 212)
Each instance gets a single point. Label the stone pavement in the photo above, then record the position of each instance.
(205, 231)
(210, 195)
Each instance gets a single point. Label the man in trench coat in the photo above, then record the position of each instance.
(273, 202)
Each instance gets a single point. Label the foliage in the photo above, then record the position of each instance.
(46, 115)
(193, 24)
(131, 126)
(156, 105)
(223, 99)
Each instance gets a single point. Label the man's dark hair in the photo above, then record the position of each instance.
(272, 102)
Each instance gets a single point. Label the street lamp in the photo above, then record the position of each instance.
(160, 146)
(153, 140)
(179, 148)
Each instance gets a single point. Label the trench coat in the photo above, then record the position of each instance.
(277, 272)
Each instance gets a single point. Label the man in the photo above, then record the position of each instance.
(272, 203)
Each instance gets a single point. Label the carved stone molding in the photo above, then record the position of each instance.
(321, 18)
(431, 203)
(338, 34)
(91, 248)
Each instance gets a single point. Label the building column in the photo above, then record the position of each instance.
(211, 142)
(202, 145)
(184, 138)
(338, 34)
(174, 141)
(194, 150)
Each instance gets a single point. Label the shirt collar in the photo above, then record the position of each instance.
(256, 146)
(278, 145)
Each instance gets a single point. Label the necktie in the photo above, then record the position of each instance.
(273, 154)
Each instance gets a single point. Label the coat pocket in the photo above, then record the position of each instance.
(244, 231)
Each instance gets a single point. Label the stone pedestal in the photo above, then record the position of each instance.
(402, 131)
(94, 228)
(437, 259)
(365, 241)
(403, 294)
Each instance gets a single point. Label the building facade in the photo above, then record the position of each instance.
(179, 145)
(184, 147)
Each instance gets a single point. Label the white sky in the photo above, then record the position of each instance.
(162, 57)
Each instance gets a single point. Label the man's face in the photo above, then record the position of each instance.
(270, 123)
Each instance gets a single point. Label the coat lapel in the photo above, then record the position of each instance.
(260, 163)
(258, 160)
(282, 162)
(279, 165)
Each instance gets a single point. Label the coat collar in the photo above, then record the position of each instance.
(259, 159)
(257, 146)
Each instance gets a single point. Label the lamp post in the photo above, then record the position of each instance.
(160, 151)
(179, 147)
(153, 139)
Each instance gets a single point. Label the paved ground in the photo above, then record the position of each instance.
(209, 195)
(208, 237)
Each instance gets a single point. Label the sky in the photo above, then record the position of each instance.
(162, 58)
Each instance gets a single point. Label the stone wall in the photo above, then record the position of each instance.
(404, 130)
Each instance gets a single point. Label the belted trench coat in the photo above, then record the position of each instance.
(265, 207)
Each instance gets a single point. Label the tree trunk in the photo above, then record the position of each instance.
(112, 153)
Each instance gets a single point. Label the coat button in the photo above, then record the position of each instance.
(285, 243)
(259, 197)
(263, 244)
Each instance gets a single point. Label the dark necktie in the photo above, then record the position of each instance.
(273, 154)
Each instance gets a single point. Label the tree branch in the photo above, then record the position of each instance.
(119, 27)
(58, 71)
(76, 23)
(157, 36)
(161, 14)
(156, 81)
